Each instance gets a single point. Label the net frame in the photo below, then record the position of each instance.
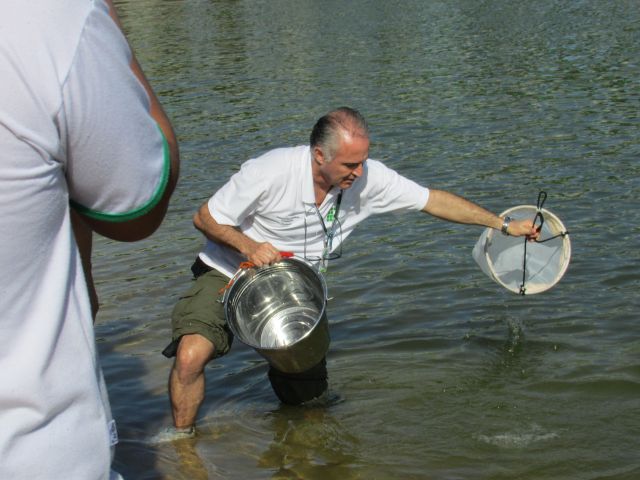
(501, 257)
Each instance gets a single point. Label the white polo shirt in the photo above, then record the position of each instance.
(271, 199)
(74, 127)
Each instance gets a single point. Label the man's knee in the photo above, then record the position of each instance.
(193, 354)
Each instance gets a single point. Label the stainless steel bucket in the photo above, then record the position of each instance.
(280, 311)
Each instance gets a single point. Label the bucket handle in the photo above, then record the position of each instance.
(246, 265)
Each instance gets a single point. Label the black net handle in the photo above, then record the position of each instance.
(542, 197)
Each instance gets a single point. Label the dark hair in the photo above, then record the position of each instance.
(325, 133)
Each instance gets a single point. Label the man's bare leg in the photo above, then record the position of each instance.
(187, 379)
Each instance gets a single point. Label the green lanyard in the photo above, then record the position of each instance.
(332, 217)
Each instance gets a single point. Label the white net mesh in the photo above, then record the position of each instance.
(503, 259)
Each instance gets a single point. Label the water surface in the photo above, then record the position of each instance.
(436, 372)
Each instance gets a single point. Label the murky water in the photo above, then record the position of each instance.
(436, 372)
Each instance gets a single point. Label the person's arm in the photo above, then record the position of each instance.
(454, 208)
(142, 227)
(84, 238)
(258, 253)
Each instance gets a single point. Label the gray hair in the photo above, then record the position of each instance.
(327, 130)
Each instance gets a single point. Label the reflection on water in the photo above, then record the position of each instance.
(440, 372)
(309, 443)
(305, 442)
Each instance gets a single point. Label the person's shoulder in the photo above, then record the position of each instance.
(41, 22)
(283, 154)
(377, 164)
(45, 18)
(279, 161)
(378, 168)
(376, 178)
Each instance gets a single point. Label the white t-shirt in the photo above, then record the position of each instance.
(271, 199)
(74, 127)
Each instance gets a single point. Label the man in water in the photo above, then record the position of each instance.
(305, 200)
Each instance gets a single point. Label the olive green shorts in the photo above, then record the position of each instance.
(200, 311)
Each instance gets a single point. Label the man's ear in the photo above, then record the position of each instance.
(318, 155)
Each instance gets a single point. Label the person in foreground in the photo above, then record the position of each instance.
(80, 131)
(305, 200)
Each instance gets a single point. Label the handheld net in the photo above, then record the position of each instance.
(522, 266)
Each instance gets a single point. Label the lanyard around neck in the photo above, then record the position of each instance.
(336, 211)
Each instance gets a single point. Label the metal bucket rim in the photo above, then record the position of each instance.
(245, 271)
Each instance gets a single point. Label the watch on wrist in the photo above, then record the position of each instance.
(505, 225)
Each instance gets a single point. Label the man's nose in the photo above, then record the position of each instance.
(358, 171)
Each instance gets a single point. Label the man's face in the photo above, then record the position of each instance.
(347, 164)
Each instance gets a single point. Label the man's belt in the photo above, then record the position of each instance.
(199, 268)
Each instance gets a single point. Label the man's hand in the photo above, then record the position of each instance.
(522, 228)
(263, 254)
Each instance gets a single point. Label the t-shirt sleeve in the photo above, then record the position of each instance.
(116, 157)
(241, 195)
(390, 192)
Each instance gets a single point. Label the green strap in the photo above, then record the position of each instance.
(144, 209)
